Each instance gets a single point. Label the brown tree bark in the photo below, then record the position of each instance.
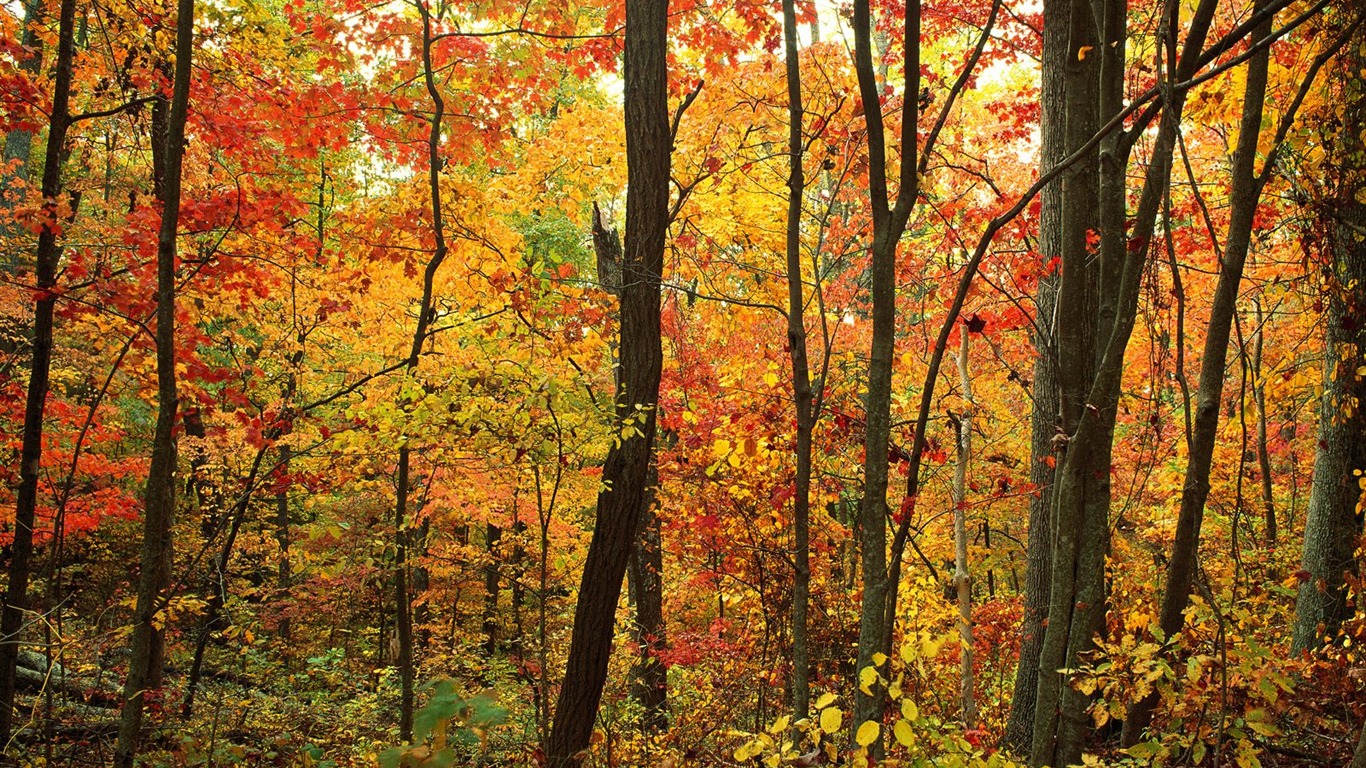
(1246, 191)
(889, 222)
(46, 257)
(626, 469)
(802, 396)
(403, 534)
(650, 684)
(144, 670)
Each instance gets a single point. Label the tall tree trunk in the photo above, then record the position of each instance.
(144, 669)
(889, 222)
(802, 396)
(47, 255)
(906, 196)
(1246, 190)
(650, 685)
(1333, 525)
(626, 469)
(1081, 525)
(403, 608)
(961, 575)
(1043, 421)
(1077, 317)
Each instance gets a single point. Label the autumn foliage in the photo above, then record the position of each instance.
(307, 227)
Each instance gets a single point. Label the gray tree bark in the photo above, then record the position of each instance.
(1081, 525)
(1043, 421)
(1333, 524)
(889, 223)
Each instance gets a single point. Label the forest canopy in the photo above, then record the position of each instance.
(699, 383)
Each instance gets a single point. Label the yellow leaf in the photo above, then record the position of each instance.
(867, 733)
(879, 659)
(909, 710)
(866, 676)
(825, 700)
(1082, 51)
(771, 379)
(903, 733)
(931, 648)
(831, 719)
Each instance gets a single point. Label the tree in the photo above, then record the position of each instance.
(159, 511)
(890, 216)
(626, 469)
(1043, 423)
(1333, 522)
(1245, 194)
(962, 577)
(45, 293)
(1089, 403)
(802, 395)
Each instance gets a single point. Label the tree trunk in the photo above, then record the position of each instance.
(144, 670)
(1043, 420)
(802, 396)
(1245, 192)
(1077, 318)
(889, 222)
(1333, 523)
(1081, 525)
(650, 686)
(403, 606)
(403, 613)
(31, 443)
(626, 469)
(961, 575)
